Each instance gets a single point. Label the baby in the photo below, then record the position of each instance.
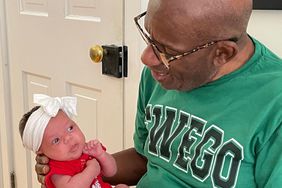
(48, 129)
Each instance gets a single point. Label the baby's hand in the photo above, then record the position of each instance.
(93, 148)
(94, 166)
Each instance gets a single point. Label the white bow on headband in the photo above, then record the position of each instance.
(52, 105)
(38, 120)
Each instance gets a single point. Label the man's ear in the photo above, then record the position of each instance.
(225, 51)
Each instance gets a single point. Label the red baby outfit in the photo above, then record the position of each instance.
(71, 168)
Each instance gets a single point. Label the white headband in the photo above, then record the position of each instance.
(38, 120)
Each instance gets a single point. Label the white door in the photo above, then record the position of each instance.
(49, 43)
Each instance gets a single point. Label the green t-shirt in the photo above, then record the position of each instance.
(226, 133)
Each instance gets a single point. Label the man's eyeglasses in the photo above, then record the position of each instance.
(164, 57)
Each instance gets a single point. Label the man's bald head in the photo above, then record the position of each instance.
(202, 20)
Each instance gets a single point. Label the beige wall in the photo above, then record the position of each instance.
(266, 26)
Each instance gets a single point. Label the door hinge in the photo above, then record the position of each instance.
(12, 178)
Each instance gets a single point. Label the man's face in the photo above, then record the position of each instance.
(171, 37)
(184, 74)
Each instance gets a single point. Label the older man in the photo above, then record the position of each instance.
(209, 110)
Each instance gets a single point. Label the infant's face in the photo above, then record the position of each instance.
(62, 140)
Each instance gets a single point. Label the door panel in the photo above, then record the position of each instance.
(49, 43)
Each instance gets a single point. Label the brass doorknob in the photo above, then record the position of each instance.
(96, 53)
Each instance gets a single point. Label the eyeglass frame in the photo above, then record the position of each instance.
(163, 56)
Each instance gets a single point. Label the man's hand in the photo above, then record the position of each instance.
(41, 168)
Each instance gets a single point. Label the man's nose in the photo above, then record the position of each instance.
(149, 57)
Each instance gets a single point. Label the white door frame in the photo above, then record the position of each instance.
(135, 47)
(132, 40)
(6, 152)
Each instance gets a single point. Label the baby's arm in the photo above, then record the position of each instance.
(106, 161)
(82, 179)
